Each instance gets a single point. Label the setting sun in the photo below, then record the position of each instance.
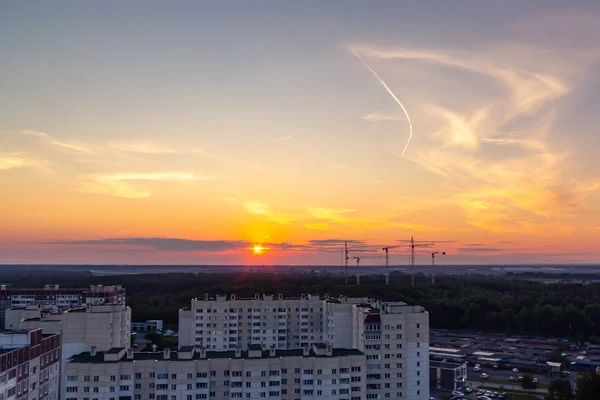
(258, 249)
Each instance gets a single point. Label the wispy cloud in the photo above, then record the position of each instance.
(358, 172)
(500, 166)
(160, 244)
(376, 117)
(19, 160)
(258, 208)
(59, 145)
(287, 137)
(193, 245)
(125, 184)
(142, 147)
(329, 214)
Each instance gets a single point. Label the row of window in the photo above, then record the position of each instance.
(256, 310)
(283, 371)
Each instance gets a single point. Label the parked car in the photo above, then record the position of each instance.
(477, 368)
(495, 366)
(515, 370)
(512, 378)
(484, 375)
(481, 393)
(468, 390)
(457, 393)
(535, 380)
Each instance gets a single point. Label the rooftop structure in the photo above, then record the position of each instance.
(53, 295)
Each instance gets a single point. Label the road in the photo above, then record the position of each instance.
(504, 375)
(506, 388)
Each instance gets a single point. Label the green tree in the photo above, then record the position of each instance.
(588, 386)
(527, 382)
(560, 389)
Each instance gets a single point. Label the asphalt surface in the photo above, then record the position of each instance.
(504, 375)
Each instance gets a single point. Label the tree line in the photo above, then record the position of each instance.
(471, 303)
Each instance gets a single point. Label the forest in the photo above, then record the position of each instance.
(486, 303)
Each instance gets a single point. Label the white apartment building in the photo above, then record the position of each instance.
(394, 336)
(395, 339)
(318, 372)
(225, 322)
(337, 321)
(99, 326)
(29, 365)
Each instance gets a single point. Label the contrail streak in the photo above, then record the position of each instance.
(410, 134)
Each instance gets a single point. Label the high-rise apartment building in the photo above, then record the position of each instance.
(395, 339)
(394, 336)
(62, 299)
(317, 372)
(29, 365)
(225, 322)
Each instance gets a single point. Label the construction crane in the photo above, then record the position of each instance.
(412, 244)
(387, 254)
(435, 253)
(347, 257)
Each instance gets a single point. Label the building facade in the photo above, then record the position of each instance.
(225, 322)
(98, 326)
(53, 295)
(395, 339)
(394, 336)
(318, 372)
(29, 365)
(447, 375)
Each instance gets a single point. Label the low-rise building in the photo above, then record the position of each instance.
(316, 372)
(29, 365)
(447, 376)
(151, 325)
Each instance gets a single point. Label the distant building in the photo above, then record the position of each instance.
(447, 376)
(316, 372)
(62, 299)
(151, 325)
(29, 365)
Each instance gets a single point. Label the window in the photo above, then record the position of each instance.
(113, 378)
(72, 378)
(125, 377)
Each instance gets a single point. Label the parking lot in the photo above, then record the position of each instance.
(502, 377)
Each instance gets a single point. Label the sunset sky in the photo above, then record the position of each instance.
(190, 131)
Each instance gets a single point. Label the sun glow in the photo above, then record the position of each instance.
(258, 249)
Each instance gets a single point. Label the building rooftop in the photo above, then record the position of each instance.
(115, 350)
(444, 364)
(86, 358)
